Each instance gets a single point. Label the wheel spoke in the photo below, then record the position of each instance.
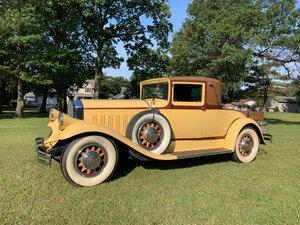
(246, 145)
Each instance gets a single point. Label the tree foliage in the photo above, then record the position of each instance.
(20, 38)
(59, 43)
(227, 39)
(136, 24)
(147, 64)
(111, 86)
(296, 85)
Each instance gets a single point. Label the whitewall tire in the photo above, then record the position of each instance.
(89, 161)
(150, 130)
(247, 146)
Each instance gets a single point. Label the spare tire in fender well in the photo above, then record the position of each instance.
(162, 123)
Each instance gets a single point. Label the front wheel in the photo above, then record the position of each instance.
(89, 161)
(246, 147)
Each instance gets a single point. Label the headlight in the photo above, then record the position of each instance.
(75, 109)
(51, 114)
(60, 120)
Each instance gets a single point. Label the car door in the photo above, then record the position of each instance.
(186, 113)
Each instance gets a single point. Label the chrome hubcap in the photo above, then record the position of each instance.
(91, 160)
(151, 135)
(246, 145)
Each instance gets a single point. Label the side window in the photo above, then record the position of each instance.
(187, 93)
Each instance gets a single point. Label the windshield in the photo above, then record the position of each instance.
(158, 90)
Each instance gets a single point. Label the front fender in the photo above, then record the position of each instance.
(81, 127)
(236, 128)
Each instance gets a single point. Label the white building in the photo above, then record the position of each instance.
(87, 90)
(283, 104)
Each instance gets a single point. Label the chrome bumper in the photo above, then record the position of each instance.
(268, 137)
(42, 156)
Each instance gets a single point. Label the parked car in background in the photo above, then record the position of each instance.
(35, 101)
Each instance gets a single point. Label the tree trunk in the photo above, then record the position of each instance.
(20, 101)
(44, 102)
(98, 74)
(65, 108)
(59, 101)
(2, 88)
(265, 99)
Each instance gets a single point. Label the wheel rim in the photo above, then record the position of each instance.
(91, 160)
(150, 135)
(246, 145)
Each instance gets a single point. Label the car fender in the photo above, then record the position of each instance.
(82, 128)
(236, 127)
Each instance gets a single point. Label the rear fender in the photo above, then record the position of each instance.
(236, 128)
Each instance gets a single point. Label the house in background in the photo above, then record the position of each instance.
(283, 104)
(87, 91)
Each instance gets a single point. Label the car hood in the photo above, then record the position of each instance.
(120, 104)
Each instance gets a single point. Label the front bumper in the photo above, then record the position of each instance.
(41, 154)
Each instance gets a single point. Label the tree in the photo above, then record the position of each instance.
(296, 84)
(20, 36)
(147, 64)
(259, 83)
(3, 80)
(40, 44)
(63, 60)
(111, 86)
(222, 39)
(134, 24)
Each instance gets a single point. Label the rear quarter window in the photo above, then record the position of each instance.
(187, 93)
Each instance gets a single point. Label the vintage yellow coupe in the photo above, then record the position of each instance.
(175, 118)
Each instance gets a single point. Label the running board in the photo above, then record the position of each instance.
(199, 153)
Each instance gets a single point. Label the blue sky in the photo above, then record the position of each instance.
(178, 9)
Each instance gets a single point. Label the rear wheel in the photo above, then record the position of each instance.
(89, 161)
(247, 145)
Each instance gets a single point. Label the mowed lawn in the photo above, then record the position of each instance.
(210, 190)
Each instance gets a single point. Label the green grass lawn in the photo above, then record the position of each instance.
(210, 190)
